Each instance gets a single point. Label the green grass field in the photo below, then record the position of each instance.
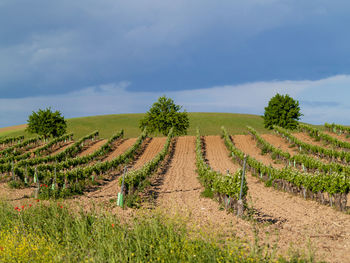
(209, 124)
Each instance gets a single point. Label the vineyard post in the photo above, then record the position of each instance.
(243, 174)
(240, 201)
(12, 171)
(26, 175)
(55, 179)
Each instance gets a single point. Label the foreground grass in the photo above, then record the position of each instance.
(52, 233)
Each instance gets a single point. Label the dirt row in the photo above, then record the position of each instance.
(92, 147)
(297, 221)
(283, 144)
(61, 149)
(341, 137)
(300, 220)
(110, 190)
(286, 219)
(306, 138)
(21, 194)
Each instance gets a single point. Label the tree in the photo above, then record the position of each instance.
(47, 123)
(282, 111)
(163, 115)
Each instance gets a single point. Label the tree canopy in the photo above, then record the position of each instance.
(47, 123)
(282, 111)
(163, 115)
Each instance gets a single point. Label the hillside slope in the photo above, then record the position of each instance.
(209, 124)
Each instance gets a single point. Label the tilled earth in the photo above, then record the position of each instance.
(298, 221)
(279, 218)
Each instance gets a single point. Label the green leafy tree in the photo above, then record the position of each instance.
(282, 111)
(163, 115)
(47, 123)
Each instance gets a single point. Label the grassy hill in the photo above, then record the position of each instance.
(209, 124)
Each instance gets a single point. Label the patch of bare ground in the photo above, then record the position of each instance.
(92, 147)
(37, 147)
(307, 139)
(154, 147)
(284, 145)
(180, 195)
(109, 190)
(280, 143)
(61, 148)
(248, 145)
(341, 137)
(121, 148)
(14, 195)
(299, 222)
(31, 148)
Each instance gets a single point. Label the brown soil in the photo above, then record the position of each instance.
(280, 143)
(92, 148)
(13, 195)
(154, 147)
(37, 147)
(110, 190)
(180, 194)
(126, 144)
(307, 139)
(62, 148)
(341, 137)
(298, 220)
(219, 156)
(248, 145)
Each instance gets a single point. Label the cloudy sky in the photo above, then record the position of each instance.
(87, 57)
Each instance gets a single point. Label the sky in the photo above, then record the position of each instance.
(87, 57)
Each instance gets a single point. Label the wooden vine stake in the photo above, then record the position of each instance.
(26, 175)
(12, 171)
(240, 205)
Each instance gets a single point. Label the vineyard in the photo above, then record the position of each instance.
(298, 188)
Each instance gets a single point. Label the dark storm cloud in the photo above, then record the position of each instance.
(55, 47)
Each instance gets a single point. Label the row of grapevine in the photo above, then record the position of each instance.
(308, 185)
(75, 180)
(301, 161)
(11, 140)
(15, 158)
(20, 147)
(319, 151)
(47, 148)
(69, 152)
(134, 179)
(336, 128)
(68, 163)
(28, 164)
(318, 135)
(71, 163)
(227, 187)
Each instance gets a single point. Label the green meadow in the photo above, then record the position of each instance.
(107, 125)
